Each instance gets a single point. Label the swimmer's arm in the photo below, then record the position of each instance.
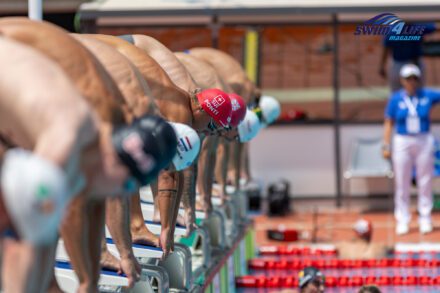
(209, 175)
(166, 198)
(245, 162)
(70, 137)
(223, 167)
(201, 166)
(118, 223)
(189, 188)
(237, 163)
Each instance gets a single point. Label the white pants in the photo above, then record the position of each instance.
(410, 151)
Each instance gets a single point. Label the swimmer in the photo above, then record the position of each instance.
(109, 168)
(38, 175)
(195, 109)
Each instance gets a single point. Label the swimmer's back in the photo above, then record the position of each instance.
(90, 78)
(25, 101)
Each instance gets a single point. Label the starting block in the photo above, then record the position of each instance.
(148, 211)
(179, 267)
(140, 251)
(240, 199)
(147, 204)
(215, 225)
(109, 280)
(200, 252)
(155, 228)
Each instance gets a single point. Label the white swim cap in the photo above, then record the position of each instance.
(35, 195)
(270, 109)
(363, 228)
(188, 146)
(249, 127)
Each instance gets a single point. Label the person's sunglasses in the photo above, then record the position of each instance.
(412, 77)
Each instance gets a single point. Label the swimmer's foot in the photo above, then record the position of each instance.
(141, 235)
(87, 288)
(109, 261)
(180, 220)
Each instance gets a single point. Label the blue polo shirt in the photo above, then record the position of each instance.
(397, 110)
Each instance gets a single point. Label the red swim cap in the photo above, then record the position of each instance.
(217, 104)
(238, 109)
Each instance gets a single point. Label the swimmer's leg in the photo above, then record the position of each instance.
(27, 268)
(74, 231)
(96, 223)
(139, 232)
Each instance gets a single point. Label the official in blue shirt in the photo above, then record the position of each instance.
(408, 112)
(402, 52)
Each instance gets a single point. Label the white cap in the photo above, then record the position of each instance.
(35, 195)
(408, 70)
(249, 127)
(270, 108)
(363, 227)
(188, 145)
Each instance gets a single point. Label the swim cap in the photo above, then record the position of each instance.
(217, 104)
(308, 275)
(35, 195)
(270, 108)
(188, 146)
(249, 127)
(238, 109)
(145, 147)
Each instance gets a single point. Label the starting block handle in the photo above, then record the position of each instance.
(202, 238)
(179, 267)
(241, 198)
(215, 225)
(153, 273)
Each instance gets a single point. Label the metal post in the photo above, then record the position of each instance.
(35, 9)
(336, 114)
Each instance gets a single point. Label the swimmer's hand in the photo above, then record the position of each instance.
(190, 221)
(166, 241)
(207, 205)
(130, 266)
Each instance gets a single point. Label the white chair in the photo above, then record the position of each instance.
(366, 161)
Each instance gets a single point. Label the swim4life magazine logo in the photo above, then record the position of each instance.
(388, 24)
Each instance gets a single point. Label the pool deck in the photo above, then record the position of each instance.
(336, 225)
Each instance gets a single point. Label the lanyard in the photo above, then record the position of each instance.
(412, 105)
